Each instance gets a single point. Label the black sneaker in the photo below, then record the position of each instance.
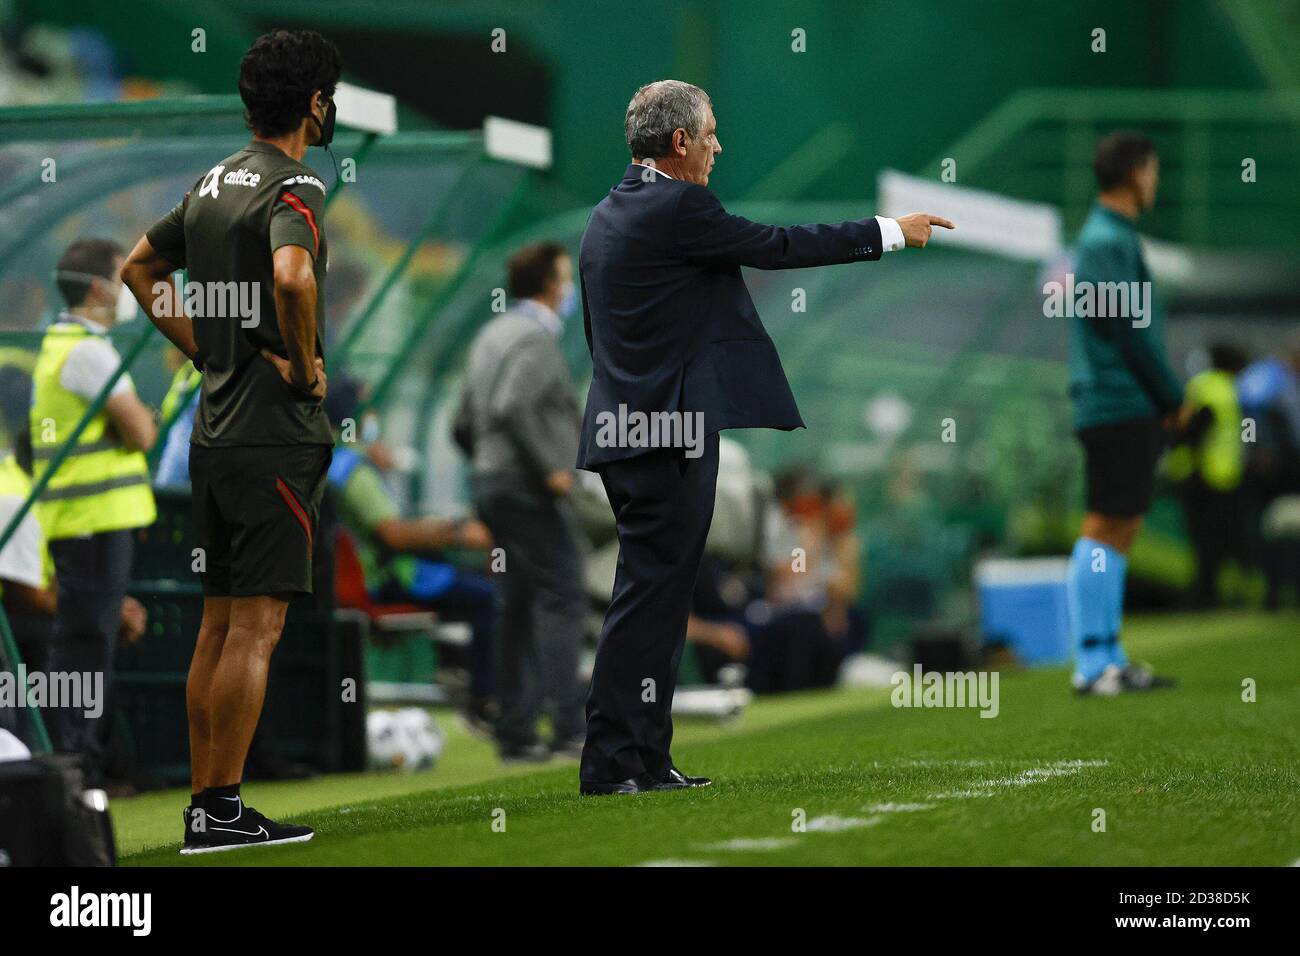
(205, 833)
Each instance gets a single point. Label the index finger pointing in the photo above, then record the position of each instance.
(940, 221)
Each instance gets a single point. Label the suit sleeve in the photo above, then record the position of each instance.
(708, 234)
(1139, 347)
(167, 235)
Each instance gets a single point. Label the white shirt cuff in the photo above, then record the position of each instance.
(891, 234)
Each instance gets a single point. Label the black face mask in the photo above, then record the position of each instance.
(326, 130)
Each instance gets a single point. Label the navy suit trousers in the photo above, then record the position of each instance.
(663, 503)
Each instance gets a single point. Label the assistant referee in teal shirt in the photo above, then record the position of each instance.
(1125, 397)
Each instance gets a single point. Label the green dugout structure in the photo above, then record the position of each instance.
(880, 356)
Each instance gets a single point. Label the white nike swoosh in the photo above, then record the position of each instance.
(260, 831)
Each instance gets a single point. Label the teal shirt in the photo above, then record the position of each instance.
(1118, 372)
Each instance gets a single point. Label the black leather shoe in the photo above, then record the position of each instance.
(621, 787)
(676, 780)
(644, 783)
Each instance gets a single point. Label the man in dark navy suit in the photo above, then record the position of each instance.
(679, 353)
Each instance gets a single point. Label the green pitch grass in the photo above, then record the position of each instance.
(1192, 776)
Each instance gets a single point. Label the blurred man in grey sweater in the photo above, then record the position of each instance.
(519, 421)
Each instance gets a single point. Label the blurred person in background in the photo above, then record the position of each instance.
(843, 616)
(177, 413)
(1269, 392)
(100, 493)
(401, 557)
(519, 420)
(24, 299)
(1125, 397)
(795, 628)
(26, 568)
(805, 628)
(27, 585)
(1206, 463)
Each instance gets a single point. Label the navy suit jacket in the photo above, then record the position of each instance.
(669, 321)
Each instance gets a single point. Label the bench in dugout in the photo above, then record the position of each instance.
(314, 712)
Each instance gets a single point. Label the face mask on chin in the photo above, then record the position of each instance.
(326, 128)
(568, 301)
(127, 308)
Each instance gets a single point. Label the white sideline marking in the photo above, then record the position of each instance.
(986, 788)
(677, 863)
(831, 823)
(743, 844)
(835, 824)
(961, 794)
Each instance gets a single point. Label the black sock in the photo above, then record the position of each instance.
(196, 799)
(221, 800)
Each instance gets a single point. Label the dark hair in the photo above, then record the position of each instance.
(88, 257)
(531, 268)
(1227, 357)
(1118, 155)
(791, 482)
(279, 75)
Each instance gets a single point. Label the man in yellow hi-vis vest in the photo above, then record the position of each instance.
(1208, 463)
(101, 491)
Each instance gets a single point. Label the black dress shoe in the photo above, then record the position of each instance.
(620, 787)
(676, 780)
(644, 783)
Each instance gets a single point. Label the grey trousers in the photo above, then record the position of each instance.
(540, 634)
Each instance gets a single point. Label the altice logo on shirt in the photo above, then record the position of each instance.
(214, 180)
(212, 300)
(1103, 300)
(636, 429)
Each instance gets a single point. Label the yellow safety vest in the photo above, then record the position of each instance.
(1219, 457)
(184, 382)
(100, 486)
(15, 483)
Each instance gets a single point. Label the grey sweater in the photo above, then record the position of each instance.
(519, 400)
